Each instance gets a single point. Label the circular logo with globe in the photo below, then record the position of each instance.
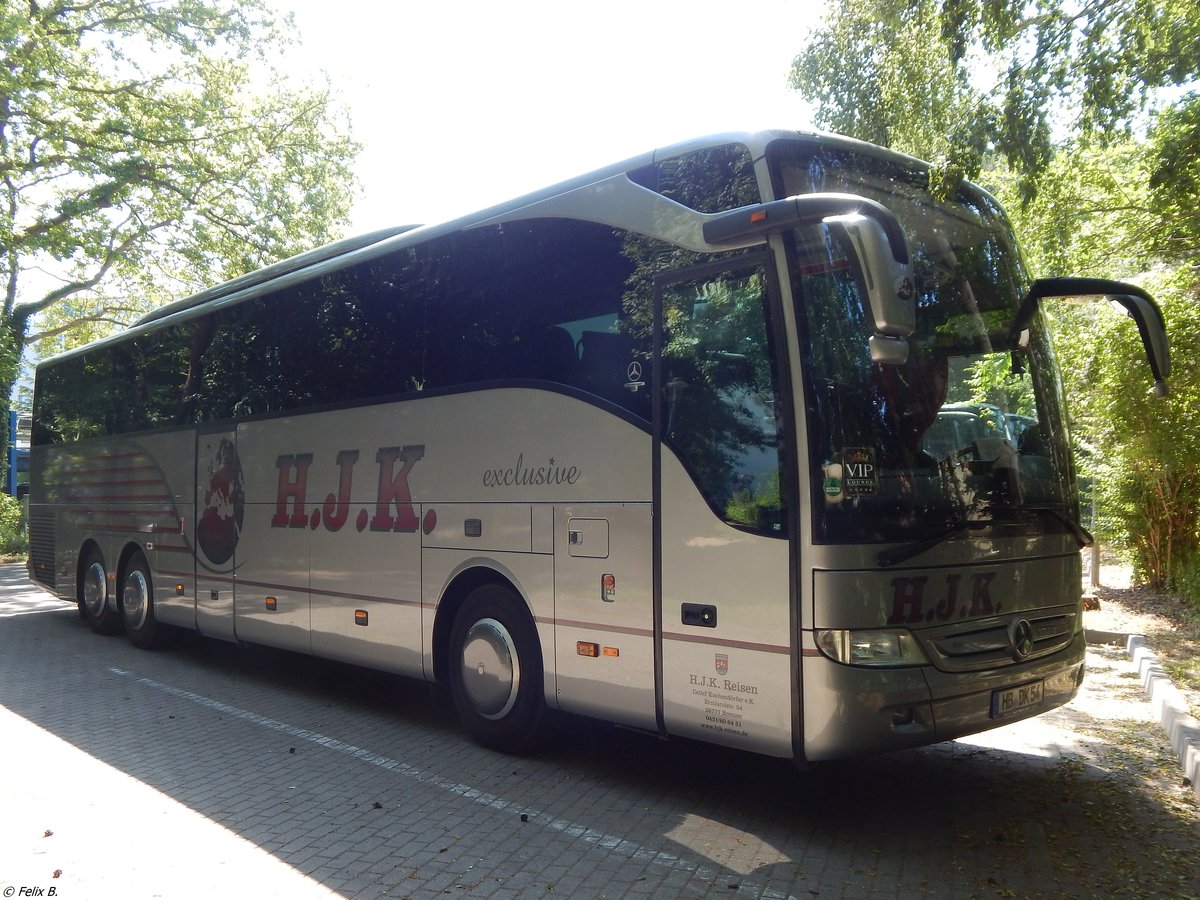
(220, 523)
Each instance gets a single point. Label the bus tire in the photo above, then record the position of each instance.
(496, 671)
(93, 595)
(137, 608)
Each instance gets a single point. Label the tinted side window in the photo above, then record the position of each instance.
(367, 330)
(543, 299)
(346, 336)
(73, 398)
(150, 379)
(710, 180)
(350, 335)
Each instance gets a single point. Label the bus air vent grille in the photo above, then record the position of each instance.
(41, 547)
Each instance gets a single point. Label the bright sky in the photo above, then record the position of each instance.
(460, 104)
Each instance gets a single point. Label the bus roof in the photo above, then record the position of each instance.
(347, 251)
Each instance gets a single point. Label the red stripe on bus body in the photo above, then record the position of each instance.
(104, 472)
(596, 626)
(109, 512)
(127, 517)
(724, 642)
(86, 472)
(125, 454)
(672, 636)
(370, 598)
(272, 586)
(119, 528)
(206, 577)
(135, 498)
(109, 483)
(342, 595)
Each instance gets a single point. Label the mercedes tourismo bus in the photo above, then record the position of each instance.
(669, 445)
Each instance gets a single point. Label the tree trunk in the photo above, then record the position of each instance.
(15, 327)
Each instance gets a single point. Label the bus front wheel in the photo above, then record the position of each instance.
(496, 671)
(93, 595)
(137, 606)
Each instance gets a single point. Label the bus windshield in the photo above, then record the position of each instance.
(969, 432)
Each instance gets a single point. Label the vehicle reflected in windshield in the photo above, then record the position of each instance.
(970, 429)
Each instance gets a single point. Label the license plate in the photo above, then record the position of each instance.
(1015, 699)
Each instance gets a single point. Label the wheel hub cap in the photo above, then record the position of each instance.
(490, 668)
(94, 589)
(134, 599)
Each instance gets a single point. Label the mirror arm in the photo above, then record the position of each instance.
(803, 209)
(877, 240)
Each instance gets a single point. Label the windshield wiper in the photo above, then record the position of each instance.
(1080, 533)
(896, 555)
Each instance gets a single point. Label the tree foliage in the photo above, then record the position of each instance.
(1097, 216)
(1057, 108)
(145, 152)
(861, 69)
(1174, 162)
(950, 80)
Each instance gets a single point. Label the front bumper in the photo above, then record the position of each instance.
(849, 711)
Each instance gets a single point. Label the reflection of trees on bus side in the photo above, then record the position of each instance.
(968, 281)
(560, 301)
(720, 394)
(718, 385)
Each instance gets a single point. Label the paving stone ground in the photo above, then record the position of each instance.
(211, 771)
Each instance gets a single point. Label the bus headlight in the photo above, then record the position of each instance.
(892, 647)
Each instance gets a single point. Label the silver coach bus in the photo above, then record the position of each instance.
(664, 445)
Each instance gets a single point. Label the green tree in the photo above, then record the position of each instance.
(1098, 215)
(1174, 179)
(881, 71)
(146, 151)
(1057, 108)
(950, 80)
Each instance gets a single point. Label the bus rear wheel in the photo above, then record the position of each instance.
(496, 671)
(93, 596)
(137, 607)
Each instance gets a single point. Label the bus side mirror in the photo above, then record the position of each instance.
(1136, 303)
(1153, 329)
(889, 286)
(871, 230)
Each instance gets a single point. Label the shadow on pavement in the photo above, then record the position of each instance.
(313, 761)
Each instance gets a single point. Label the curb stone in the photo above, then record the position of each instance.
(1169, 705)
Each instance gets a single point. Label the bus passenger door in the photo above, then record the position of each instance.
(726, 606)
(272, 601)
(216, 528)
